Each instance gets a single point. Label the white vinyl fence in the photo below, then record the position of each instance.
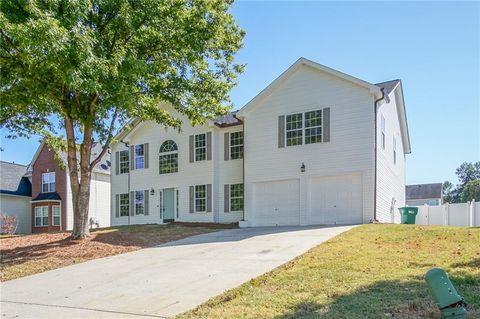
(462, 214)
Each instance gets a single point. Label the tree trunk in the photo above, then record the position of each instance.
(80, 187)
(80, 212)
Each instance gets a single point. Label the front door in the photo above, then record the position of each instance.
(168, 204)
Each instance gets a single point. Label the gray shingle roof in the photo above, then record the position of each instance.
(13, 180)
(424, 191)
(102, 166)
(47, 196)
(227, 120)
(388, 86)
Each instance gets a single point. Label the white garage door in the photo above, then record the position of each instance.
(277, 203)
(336, 200)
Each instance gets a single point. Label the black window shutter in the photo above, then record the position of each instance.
(117, 205)
(226, 152)
(145, 154)
(226, 200)
(117, 163)
(191, 148)
(281, 131)
(145, 198)
(209, 197)
(209, 146)
(326, 124)
(192, 199)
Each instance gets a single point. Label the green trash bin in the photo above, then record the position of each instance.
(408, 214)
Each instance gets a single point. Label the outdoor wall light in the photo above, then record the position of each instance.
(152, 192)
(302, 168)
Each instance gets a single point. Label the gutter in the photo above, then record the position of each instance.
(375, 154)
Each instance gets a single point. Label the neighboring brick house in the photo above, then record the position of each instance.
(15, 194)
(51, 204)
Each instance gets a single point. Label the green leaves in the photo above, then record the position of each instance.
(91, 60)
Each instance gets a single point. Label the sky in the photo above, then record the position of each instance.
(433, 47)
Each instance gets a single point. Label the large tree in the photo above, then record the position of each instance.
(467, 173)
(75, 70)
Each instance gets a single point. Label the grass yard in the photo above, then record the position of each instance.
(30, 254)
(372, 271)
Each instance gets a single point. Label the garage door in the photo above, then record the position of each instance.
(336, 200)
(277, 203)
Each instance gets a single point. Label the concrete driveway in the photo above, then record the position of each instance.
(162, 281)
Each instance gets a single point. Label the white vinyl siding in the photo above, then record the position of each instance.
(349, 150)
(390, 175)
(48, 182)
(41, 216)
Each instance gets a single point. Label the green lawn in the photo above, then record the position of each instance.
(372, 271)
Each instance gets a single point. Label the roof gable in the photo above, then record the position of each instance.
(13, 180)
(292, 69)
(424, 191)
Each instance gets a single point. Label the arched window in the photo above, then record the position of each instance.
(168, 160)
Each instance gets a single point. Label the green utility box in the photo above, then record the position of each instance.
(408, 214)
(451, 304)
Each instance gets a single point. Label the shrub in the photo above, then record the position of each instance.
(8, 224)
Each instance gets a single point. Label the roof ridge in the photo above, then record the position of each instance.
(12, 163)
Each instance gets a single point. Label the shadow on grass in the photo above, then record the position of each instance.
(385, 299)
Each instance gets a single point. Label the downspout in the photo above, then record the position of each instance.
(375, 155)
(243, 165)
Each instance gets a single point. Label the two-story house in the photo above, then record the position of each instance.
(51, 202)
(316, 146)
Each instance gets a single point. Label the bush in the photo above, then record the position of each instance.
(8, 224)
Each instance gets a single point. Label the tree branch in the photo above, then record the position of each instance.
(107, 141)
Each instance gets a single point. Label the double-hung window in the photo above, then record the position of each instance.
(168, 159)
(56, 212)
(139, 202)
(200, 198)
(236, 197)
(41, 216)
(124, 205)
(48, 182)
(124, 162)
(313, 127)
(236, 145)
(294, 129)
(139, 156)
(200, 147)
(382, 125)
(304, 128)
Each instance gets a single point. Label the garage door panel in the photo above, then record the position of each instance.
(336, 200)
(277, 203)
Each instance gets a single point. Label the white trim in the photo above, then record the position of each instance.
(13, 195)
(42, 215)
(195, 199)
(46, 200)
(195, 147)
(53, 216)
(303, 126)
